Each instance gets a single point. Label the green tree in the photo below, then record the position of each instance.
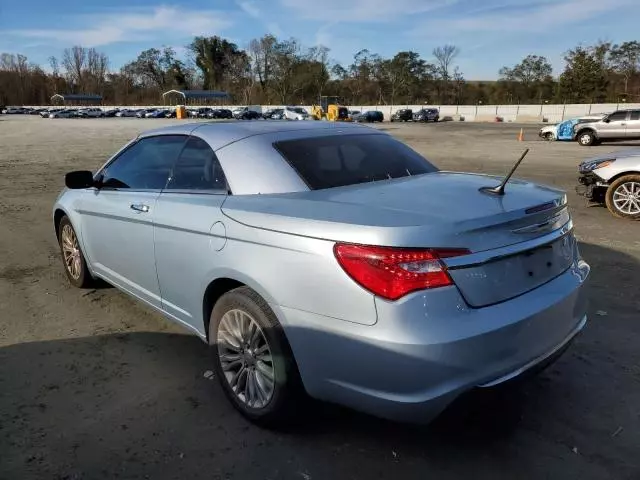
(215, 57)
(584, 79)
(625, 61)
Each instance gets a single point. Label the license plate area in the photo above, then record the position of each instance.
(507, 277)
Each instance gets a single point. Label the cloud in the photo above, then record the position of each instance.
(358, 11)
(539, 17)
(154, 24)
(250, 7)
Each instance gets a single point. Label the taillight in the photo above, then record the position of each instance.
(392, 272)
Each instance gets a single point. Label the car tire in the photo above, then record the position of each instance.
(549, 137)
(75, 265)
(626, 186)
(587, 138)
(274, 403)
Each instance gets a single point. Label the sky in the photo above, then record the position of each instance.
(489, 33)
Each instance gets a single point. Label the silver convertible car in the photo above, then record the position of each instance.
(331, 261)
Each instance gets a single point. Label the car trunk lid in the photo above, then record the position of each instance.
(437, 210)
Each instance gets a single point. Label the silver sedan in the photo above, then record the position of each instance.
(329, 260)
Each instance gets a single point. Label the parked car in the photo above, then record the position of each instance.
(203, 112)
(90, 113)
(149, 113)
(246, 113)
(13, 110)
(161, 113)
(613, 179)
(370, 116)
(564, 129)
(295, 113)
(269, 113)
(351, 114)
(277, 114)
(620, 125)
(426, 115)
(219, 113)
(402, 115)
(111, 112)
(223, 113)
(345, 266)
(126, 112)
(64, 113)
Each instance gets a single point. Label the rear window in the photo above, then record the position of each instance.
(339, 160)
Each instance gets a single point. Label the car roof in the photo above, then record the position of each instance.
(218, 134)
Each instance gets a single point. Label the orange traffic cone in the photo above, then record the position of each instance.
(521, 135)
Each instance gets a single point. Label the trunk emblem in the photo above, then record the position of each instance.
(538, 227)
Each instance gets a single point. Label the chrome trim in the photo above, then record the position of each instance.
(193, 191)
(480, 258)
(539, 359)
(550, 224)
(139, 207)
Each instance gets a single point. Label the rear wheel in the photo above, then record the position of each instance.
(549, 137)
(623, 197)
(586, 138)
(253, 360)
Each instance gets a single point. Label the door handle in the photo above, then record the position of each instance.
(139, 207)
(623, 124)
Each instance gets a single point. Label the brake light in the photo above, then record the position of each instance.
(391, 272)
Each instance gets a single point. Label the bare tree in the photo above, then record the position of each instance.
(74, 61)
(445, 55)
(262, 53)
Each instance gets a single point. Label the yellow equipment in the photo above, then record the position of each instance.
(330, 109)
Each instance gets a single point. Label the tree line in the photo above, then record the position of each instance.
(282, 71)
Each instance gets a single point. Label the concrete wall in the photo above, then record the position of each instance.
(472, 113)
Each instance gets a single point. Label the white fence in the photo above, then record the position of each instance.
(470, 113)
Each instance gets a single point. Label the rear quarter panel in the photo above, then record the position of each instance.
(292, 271)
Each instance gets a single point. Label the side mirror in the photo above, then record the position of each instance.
(606, 120)
(79, 179)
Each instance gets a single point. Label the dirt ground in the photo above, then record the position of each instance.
(94, 385)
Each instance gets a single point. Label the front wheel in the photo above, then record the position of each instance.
(75, 265)
(253, 360)
(586, 138)
(623, 197)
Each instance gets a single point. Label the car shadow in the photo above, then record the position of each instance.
(146, 405)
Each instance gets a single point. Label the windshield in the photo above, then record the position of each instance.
(339, 160)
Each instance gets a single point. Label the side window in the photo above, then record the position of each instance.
(145, 165)
(197, 169)
(635, 115)
(618, 117)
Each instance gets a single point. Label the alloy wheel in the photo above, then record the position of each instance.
(71, 252)
(245, 358)
(626, 198)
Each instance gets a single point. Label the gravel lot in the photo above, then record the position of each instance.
(94, 385)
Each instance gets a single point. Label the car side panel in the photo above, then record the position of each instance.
(119, 240)
(633, 127)
(292, 271)
(612, 130)
(189, 237)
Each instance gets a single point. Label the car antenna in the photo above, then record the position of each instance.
(499, 189)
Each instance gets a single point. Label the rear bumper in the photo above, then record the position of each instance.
(430, 347)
